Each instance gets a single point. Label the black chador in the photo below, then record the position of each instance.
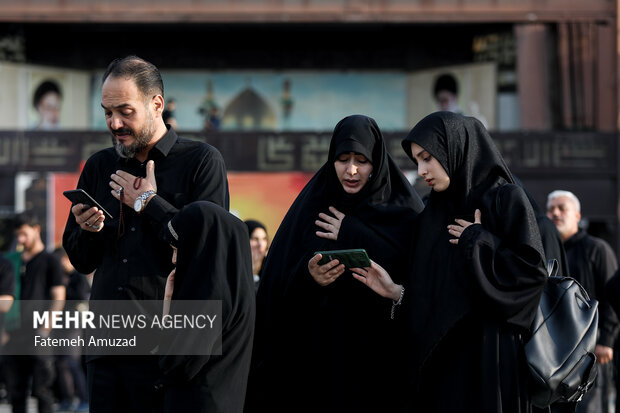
(467, 305)
(213, 263)
(333, 348)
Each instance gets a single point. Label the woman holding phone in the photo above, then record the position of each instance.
(476, 276)
(321, 337)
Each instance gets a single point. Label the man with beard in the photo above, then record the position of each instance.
(147, 176)
(592, 262)
(40, 279)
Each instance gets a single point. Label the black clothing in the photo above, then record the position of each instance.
(78, 287)
(333, 348)
(551, 239)
(7, 277)
(592, 262)
(123, 384)
(70, 374)
(213, 263)
(552, 243)
(467, 305)
(135, 266)
(167, 114)
(34, 373)
(39, 275)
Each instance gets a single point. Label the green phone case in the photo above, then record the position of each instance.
(352, 258)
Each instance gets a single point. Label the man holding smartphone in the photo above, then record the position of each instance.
(143, 180)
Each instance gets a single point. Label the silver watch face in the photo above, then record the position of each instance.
(137, 206)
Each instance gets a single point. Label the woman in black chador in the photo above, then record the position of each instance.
(324, 342)
(213, 262)
(473, 289)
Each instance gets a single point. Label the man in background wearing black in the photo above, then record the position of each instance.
(592, 262)
(40, 279)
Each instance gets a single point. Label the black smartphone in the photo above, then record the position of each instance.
(352, 258)
(80, 196)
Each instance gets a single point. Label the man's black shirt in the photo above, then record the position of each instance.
(136, 264)
(38, 276)
(592, 263)
(7, 277)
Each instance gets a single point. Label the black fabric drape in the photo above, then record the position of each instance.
(468, 303)
(213, 263)
(321, 347)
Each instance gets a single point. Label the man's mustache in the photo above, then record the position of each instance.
(122, 131)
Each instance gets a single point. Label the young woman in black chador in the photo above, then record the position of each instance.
(477, 274)
(323, 340)
(213, 262)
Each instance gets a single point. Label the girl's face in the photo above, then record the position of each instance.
(174, 255)
(430, 169)
(353, 171)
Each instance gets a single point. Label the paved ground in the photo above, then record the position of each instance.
(32, 407)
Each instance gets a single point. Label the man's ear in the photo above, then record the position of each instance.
(158, 104)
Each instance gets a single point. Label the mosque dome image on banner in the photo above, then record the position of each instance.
(248, 110)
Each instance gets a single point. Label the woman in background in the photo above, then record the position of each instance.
(259, 244)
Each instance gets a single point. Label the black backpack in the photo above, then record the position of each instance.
(560, 350)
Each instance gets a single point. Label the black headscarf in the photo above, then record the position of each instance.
(252, 225)
(441, 290)
(466, 151)
(386, 191)
(376, 219)
(213, 263)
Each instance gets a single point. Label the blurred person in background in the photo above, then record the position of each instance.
(168, 115)
(446, 93)
(7, 297)
(592, 262)
(7, 292)
(259, 243)
(40, 279)
(70, 371)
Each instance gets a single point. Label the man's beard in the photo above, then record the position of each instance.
(143, 138)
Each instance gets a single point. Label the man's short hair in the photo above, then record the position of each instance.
(558, 193)
(447, 82)
(28, 218)
(144, 73)
(43, 89)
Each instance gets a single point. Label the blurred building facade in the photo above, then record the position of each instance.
(543, 74)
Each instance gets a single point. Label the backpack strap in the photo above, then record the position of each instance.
(552, 267)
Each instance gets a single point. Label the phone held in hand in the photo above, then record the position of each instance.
(80, 196)
(351, 258)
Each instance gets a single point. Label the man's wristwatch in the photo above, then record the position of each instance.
(140, 202)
